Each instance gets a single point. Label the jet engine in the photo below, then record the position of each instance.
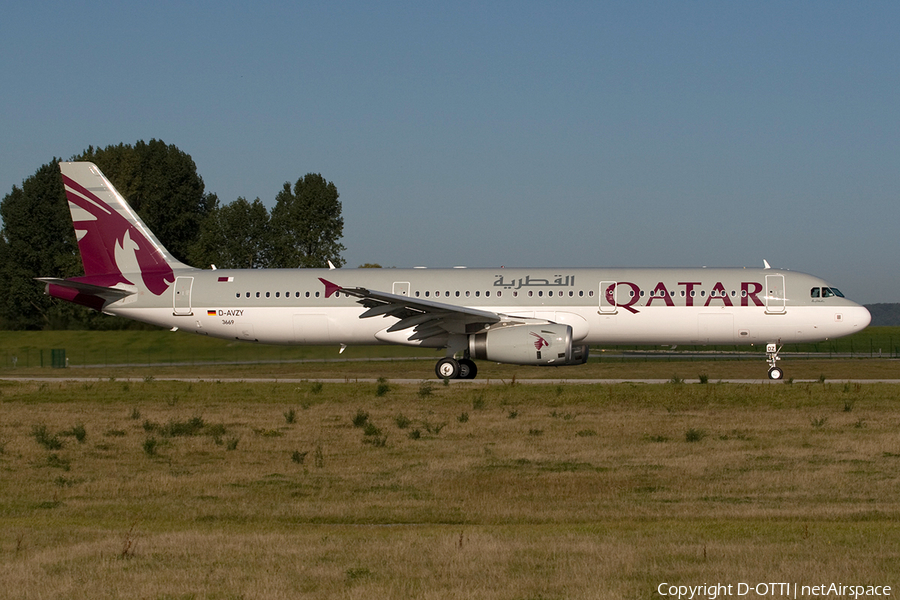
(547, 344)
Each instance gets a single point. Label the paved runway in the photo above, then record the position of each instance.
(439, 382)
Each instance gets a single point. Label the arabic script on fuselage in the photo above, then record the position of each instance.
(529, 281)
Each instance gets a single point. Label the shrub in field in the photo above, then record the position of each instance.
(55, 461)
(694, 435)
(192, 426)
(402, 422)
(43, 437)
(425, 389)
(463, 418)
(434, 429)
(290, 416)
(361, 418)
(78, 432)
(478, 403)
(298, 457)
(356, 574)
(150, 445)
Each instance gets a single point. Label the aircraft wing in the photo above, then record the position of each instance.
(426, 317)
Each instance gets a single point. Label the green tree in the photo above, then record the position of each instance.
(307, 224)
(234, 236)
(159, 181)
(162, 185)
(38, 240)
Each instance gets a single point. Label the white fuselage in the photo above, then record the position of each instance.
(603, 306)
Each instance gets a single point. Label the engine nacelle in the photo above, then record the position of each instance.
(547, 344)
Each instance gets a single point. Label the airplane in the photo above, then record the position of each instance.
(522, 316)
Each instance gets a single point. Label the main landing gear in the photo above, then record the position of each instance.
(450, 368)
(772, 351)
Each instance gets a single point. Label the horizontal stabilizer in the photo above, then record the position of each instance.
(109, 294)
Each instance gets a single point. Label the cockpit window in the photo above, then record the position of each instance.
(825, 292)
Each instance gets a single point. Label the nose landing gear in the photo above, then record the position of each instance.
(772, 358)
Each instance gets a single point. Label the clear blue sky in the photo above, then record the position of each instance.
(501, 133)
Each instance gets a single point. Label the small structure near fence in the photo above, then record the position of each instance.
(58, 358)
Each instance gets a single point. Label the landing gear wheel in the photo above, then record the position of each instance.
(772, 350)
(447, 368)
(467, 369)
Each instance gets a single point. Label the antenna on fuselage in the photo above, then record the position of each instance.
(766, 264)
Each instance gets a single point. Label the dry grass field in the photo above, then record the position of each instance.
(206, 490)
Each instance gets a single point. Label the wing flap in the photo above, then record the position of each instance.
(429, 318)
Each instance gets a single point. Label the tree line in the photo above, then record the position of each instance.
(162, 185)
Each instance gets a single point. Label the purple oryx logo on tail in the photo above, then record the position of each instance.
(112, 245)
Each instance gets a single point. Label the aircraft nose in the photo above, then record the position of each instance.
(859, 317)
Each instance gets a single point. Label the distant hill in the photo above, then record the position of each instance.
(887, 314)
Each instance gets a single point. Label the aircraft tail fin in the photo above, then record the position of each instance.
(116, 246)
